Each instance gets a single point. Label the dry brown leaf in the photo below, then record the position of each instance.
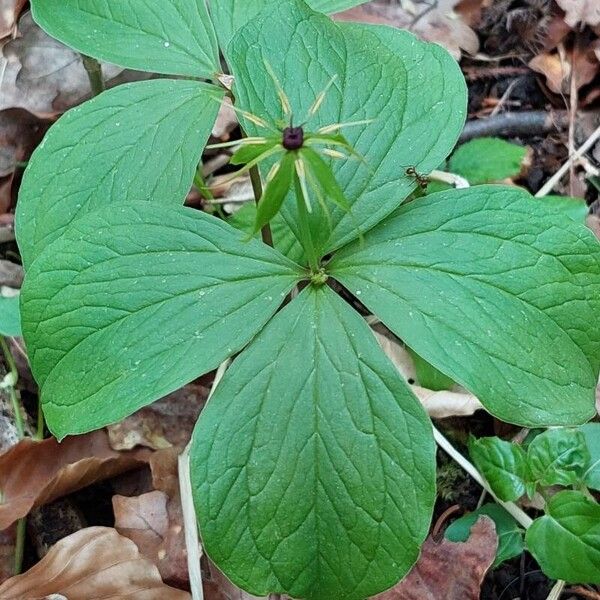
(167, 422)
(437, 22)
(144, 520)
(581, 11)
(93, 564)
(154, 521)
(9, 12)
(33, 473)
(558, 72)
(438, 405)
(448, 570)
(45, 77)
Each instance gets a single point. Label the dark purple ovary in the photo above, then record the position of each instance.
(293, 138)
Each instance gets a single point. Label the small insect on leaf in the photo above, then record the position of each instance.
(422, 180)
(275, 191)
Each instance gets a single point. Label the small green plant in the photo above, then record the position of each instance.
(313, 465)
(566, 540)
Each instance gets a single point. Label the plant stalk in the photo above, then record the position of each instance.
(305, 234)
(94, 72)
(265, 232)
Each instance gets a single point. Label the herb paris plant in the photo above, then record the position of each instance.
(313, 463)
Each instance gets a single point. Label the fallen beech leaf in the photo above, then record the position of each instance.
(439, 405)
(447, 570)
(9, 11)
(558, 72)
(33, 473)
(93, 564)
(167, 422)
(43, 76)
(144, 520)
(433, 22)
(580, 11)
(154, 521)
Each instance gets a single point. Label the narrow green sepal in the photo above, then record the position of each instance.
(324, 176)
(250, 152)
(275, 192)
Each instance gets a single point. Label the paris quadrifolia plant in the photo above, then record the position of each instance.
(313, 464)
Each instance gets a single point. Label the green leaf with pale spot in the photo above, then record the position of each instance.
(493, 290)
(487, 160)
(504, 465)
(174, 37)
(313, 463)
(510, 535)
(230, 15)
(10, 318)
(558, 457)
(566, 541)
(381, 73)
(140, 141)
(131, 303)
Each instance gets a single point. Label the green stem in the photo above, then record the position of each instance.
(305, 234)
(267, 236)
(20, 545)
(12, 392)
(94, 72)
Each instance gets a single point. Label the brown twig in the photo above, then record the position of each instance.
(584, 592)
(510, 124)
(477, 73)
(572, 112)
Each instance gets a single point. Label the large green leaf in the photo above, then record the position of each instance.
(230, 15)
(493, 290)
(132, 303)
(140, 141)
(313, 464)
(161, 36)
(10, 320)
(566, 541)
(558, 457)
(504, 465)
(381, 73)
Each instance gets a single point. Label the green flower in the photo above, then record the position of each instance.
(298, 154)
